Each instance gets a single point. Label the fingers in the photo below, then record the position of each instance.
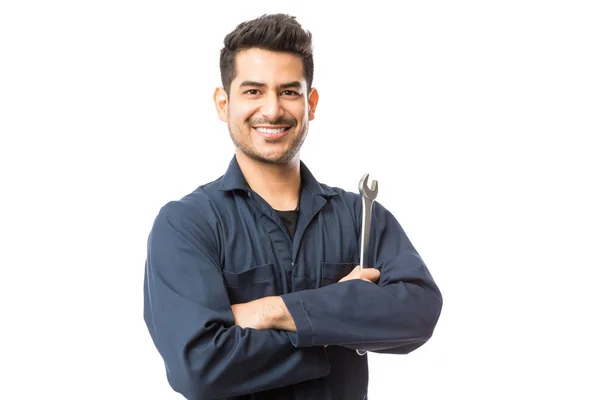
(372, 274)
(365, 274)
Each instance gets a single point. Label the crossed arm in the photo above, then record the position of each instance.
(271, 312)
(203, 339)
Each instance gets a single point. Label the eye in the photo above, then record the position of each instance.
(290, 93)
(252, 92)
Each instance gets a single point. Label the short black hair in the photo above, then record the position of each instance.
(274, 32)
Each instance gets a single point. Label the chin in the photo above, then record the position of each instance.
(274, 155)
(276, 159)
(279, 158)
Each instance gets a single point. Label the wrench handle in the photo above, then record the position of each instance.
(367, 206)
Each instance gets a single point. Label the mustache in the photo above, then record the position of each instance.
(278, 121)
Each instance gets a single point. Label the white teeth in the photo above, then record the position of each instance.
(271, 131)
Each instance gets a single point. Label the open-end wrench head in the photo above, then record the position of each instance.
(366, 191)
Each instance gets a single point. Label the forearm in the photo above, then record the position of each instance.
(329, 316)
(265, 313)
(362, 315)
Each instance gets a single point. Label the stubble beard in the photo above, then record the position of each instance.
(251, 152)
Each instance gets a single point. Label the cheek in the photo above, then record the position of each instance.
(300, 112)
(240, 113)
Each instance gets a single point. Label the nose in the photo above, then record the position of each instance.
(271, 107)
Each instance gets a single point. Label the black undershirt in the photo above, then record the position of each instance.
(289, 219)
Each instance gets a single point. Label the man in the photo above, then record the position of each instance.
(252, 289)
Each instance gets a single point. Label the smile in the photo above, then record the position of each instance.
(271, 130)
(271, 134)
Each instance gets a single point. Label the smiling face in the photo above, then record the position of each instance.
(268, 108)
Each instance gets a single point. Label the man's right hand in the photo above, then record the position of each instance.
(366, 274)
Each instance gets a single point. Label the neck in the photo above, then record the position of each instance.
(277, 184)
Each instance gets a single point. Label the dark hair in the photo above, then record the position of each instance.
(274, 32)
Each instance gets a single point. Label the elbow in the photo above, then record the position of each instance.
(193, 386)
(181, 380)
(419, 316)
(418, 312)
(192, 380)
(197, 369)
(183, 377)
(198, 374)
(196, 385)
(421, 330)
(430, 315)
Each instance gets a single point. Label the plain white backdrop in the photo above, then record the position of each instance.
(480, 121)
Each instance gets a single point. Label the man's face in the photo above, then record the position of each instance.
(268, 107)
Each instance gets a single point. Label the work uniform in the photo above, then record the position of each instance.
(223, 244)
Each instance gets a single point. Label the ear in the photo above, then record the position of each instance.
(221, 101)
(313, 99)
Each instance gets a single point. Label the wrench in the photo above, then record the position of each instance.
(368, 196)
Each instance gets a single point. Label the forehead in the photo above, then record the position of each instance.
(267, 66)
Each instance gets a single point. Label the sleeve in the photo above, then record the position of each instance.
(397, 315)
(189, 317)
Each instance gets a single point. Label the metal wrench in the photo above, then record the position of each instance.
(368, 196)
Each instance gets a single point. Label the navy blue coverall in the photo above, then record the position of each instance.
(223, 244)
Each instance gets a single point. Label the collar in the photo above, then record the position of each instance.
(234, 179)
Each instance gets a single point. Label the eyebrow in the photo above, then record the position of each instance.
(294, 84)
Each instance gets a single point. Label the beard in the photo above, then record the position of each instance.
(246, 146)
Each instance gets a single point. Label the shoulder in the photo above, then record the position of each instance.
(195, 209)
(188, 224)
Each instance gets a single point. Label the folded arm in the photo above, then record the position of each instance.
(396, 315)
(190, 318)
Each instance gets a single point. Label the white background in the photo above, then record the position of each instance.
(479, 120)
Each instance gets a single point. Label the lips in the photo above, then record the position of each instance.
(272, 133)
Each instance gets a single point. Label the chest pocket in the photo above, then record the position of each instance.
(332, 272)
(252, 284)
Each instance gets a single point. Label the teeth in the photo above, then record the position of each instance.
(267, 130)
